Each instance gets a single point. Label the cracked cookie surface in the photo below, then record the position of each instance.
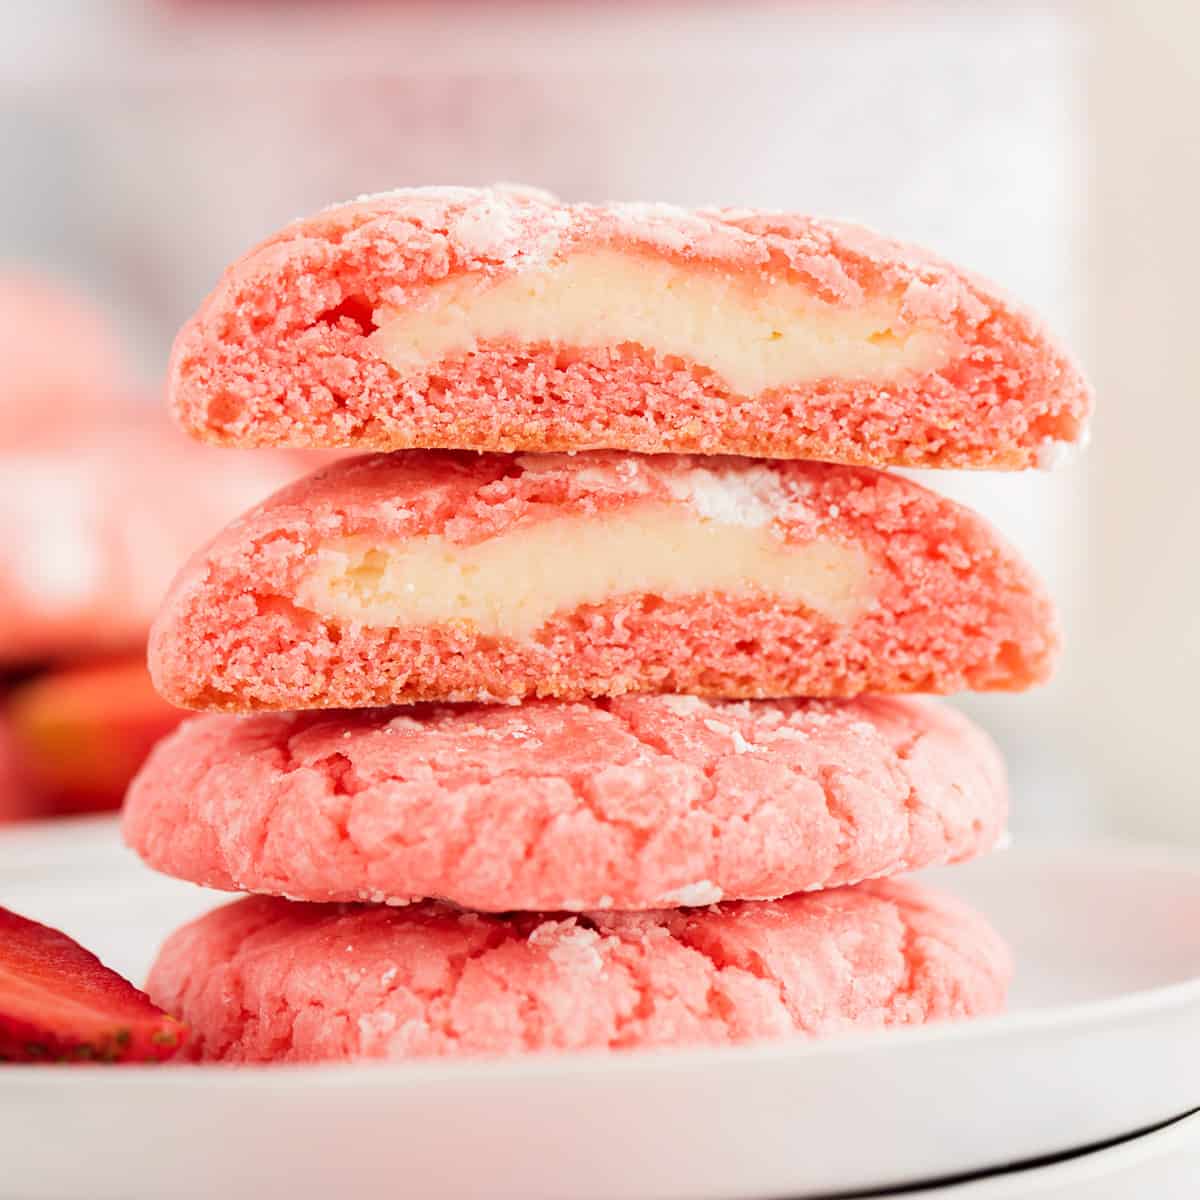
(639, 802)
(265, 980)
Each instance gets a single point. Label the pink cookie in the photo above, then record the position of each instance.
(436, 575)
(266, 980)
(504, 320)
(60, 364)
(92, 530)
(640, 802)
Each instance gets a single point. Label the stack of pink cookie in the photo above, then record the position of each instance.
(563, 722)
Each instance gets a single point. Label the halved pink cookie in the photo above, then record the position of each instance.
(639, 802)
(93, 528)
(435, 575)
(266, 980)
(504, 320)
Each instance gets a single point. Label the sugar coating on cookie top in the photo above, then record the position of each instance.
(450, 576)
(502, 320)
(264, 980)
(638, 802)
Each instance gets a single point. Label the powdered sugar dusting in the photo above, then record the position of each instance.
(740, 745)
(693, 895)
(682, 706)
(488, 231)
(498, 227)
(570, 946)
(664, 225)
(594, 471)
(376, 1027)
(1052, 454)
(445, 193)
(749, 496)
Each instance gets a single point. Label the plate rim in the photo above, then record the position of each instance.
(1081, 1018)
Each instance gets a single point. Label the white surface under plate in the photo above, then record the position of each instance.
(1103, 1040)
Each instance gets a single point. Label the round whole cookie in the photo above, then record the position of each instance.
(634, 803)
(266, 980)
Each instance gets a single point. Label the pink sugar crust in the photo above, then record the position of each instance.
(279, 353)
(955, 606)
(634, 803)
(93, 528)
(265, 980)
(60, 362)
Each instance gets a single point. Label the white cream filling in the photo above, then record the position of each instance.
(754, 335)
(510, 585)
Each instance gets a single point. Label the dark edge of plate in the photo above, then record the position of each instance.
(1013, 1168)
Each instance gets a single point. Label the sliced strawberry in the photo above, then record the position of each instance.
(60, 1003)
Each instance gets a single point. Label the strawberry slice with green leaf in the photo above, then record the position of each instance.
(60, 1003)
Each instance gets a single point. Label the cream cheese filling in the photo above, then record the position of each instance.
(512, 584)
(754, 335)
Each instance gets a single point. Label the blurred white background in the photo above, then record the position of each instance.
(1050, 146)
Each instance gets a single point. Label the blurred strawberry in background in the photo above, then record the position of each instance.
(16, 799)
(80, 733)
(101, 502)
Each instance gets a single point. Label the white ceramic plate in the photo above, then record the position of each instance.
(1162, 1165)
(1103, 1040)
